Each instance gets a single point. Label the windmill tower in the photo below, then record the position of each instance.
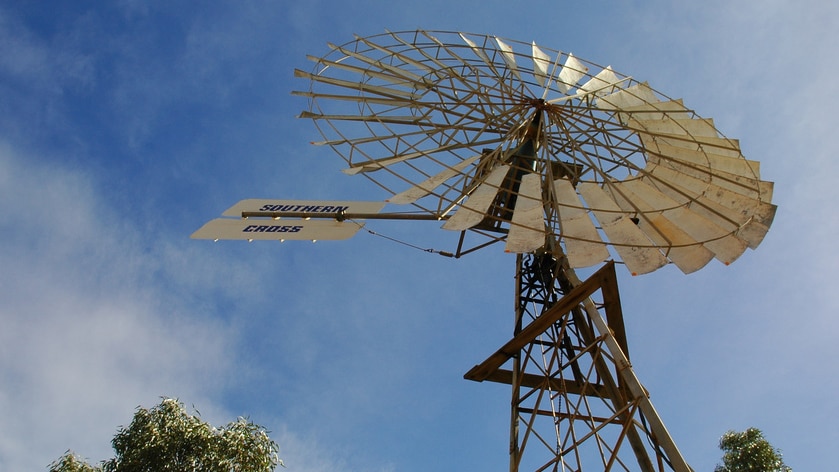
(565, 163)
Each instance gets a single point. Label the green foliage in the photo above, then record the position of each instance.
(70, 462)
(749, 451)
(166, 438)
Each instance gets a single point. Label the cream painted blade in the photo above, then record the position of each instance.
(583, 246)
(478, 51)
(671, 109)
(634, 247)
(527, 228)
(721, 146)
(693, 126)
(571, 73)
(474, 209)
(725, 245)
(745, 197)
(541, 64)
(424, 188)
(715, 145)
(680, 247)
(750, 229)
(707, 159)
(750, 220)
(601, 84)
(636, 95)
(757, 189)
(509, 57)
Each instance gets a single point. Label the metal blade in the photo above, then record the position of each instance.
(427, 186)
(527, 228)
(541, 64)
(636, 95)
(601, 84)
(478, 51)
(571, 73)
(708, 159)
(671, 109)
(725, 245)
(680, 247)
(509, 57)
(475, 208)
(721, 146)
(750, 221)
(634, 247)
(702, 180)
(668, 125)
(583, 245)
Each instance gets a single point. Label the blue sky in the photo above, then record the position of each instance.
(124, 126)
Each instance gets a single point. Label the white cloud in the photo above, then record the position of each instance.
(86, 335)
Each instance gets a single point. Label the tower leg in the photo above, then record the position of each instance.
(576, 401)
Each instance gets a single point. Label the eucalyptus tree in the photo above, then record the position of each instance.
(749, 451)
(167, 438)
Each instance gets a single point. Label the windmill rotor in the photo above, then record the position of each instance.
(533, 146)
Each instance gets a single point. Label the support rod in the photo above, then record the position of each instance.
(341, 216)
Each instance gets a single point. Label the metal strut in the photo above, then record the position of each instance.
(576, 402)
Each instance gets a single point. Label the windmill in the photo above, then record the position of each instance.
(563, 162)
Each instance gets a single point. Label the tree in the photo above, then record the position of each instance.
(167, 438)
(749, 451)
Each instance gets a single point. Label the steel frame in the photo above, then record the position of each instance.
(576, 402)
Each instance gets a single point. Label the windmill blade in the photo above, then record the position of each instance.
(541, 64)
(716, 181)
(509, 57)
(477, 204)
(712, 161)
(634, 247)
(681, 248)
(427, 186)
(572, 71)
(724, 244)
(671, 109)
(527, 227)
(583, 245)
(721, 146)
(696, 127)
(633, 96)
(478, 51)
(748, 217)
(601, 84)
